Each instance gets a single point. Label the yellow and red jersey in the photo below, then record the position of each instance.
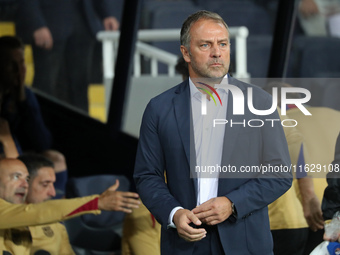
(15, 236)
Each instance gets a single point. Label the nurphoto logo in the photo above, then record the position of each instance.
(239, 103)
(238, 99)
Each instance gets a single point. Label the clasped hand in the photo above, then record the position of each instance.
(211, 212)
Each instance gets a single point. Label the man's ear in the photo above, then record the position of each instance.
(185, 54)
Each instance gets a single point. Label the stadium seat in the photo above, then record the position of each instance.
(331, 94)
(315, 57)
(258, 55)
(95, 234)
(247, 14)
(170, 17)
(151, 7)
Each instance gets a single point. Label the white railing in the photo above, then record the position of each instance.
(110, 40)
(156, 55)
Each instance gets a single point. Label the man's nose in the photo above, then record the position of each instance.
(215, 51)
(24, 183)
(52, 192)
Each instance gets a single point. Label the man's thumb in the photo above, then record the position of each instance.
(115, 186)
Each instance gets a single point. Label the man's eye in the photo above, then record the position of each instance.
(224, 45)
(16, 176)
(205, 45)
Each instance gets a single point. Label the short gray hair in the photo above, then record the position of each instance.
(185, 31)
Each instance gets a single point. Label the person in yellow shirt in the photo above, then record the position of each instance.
(318, 133)
(292, 215)
(15, 237)
(287, 223)
(50, 238)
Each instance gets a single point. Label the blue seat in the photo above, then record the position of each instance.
(250, 15)
(95, 234)
(151, 7)
(243, 13)
(216, 5)
(170, 17)
(315, 57)
(258, 55)
(331, 94)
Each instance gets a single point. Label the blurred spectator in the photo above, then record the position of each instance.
(8, 74)
(320, 17)
(62, 34)
(15, 237)
(286, 214)
(290, 218)
(41, 188)
(141, 233)
(20, 108)
(319, 132)
(331, 198)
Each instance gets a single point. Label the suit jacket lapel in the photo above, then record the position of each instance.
(231, 133)
(182, 106)
(182, 114)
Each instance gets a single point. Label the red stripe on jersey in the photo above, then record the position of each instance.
(153, 220)
(89, 206)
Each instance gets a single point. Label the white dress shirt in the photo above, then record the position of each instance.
(208, 141)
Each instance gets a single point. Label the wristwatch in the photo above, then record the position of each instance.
(233, 210)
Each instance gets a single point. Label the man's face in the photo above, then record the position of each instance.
(19, 58)
(41, 186)
(13, 181)
(209, 55)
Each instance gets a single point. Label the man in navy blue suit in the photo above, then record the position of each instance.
(210, 211)
(62, 34)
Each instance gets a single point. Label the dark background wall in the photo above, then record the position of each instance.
(87, 144)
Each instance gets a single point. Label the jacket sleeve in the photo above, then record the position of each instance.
(105, 8)
(21, 215)
(30, 15)
(149, 169)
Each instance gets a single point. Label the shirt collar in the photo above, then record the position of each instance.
(194, 92)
